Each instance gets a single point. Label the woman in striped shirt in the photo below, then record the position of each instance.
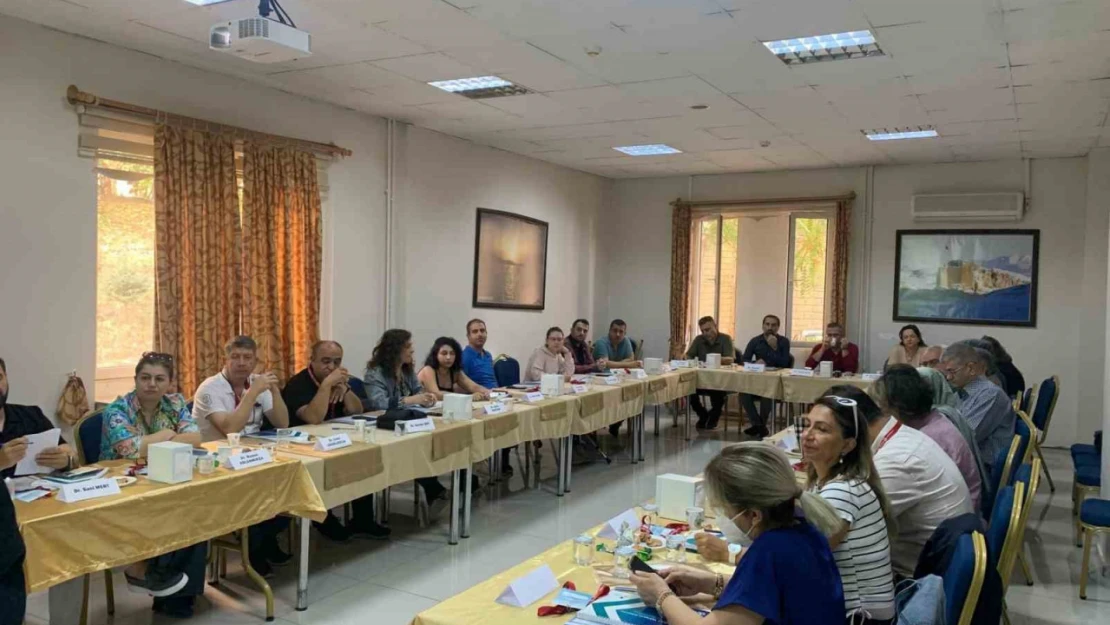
(839, 467)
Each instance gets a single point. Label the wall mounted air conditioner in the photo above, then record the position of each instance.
(968, 207)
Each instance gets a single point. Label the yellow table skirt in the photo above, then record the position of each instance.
(767, 384)
(665, 388)
(801, 390)
(147, 519)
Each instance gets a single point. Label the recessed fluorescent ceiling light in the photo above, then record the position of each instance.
(835, 47)
(648, 150)
(480, 87)
(205, 3)
(887, 134)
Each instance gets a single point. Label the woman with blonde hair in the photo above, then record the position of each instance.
(787, 575)
(837, 452)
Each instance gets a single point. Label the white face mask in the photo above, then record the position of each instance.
(732, 532)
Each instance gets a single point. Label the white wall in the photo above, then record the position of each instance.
(1070, 335)
(445, 181)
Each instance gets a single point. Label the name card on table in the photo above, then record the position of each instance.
(611, 380)
(638, 374)
(754, 367)
(81, 491)
(529, 588)
(335, 441)
(578, 389)
(612, 527)
(802, 373)
(415, 426)
(248, 459)
(680, 364)
(870, 377)
(533, 397)
(499, 408)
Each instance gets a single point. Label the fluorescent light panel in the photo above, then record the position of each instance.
(648, 150)
(889, 134)
(204, 3)
(480, 87)
(833, 47)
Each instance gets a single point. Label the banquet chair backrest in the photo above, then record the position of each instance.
(88, 429)
(1029, 475)
(507, 370)
(1047, 393)
(1014, 535)
(1000, 470)
(998, 527)
(963, 579)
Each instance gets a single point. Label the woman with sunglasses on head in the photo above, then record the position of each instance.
(151, 414)
(786, 576)
(837, 452)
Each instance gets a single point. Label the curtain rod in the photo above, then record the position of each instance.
(764, 202)
(78, 97)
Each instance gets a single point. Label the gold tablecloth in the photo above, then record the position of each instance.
(766, 384)
(797, 389)
(531, 427)
(665, 388)
(477, 606)
(613, 408)
(147, 519)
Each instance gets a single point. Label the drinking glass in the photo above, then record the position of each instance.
(285, 437)
(233, 439)
(676, 548)
(621, 562)
(651, 515)
(206, 464)
(270, 446)
(584, 550)
(360, 430)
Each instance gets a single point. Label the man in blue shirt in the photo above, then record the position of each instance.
(616, 349)
(772, 350)
(986, 407)
(477, 364)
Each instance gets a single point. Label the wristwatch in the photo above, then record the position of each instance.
(734, 552)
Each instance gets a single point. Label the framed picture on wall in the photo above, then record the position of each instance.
(984, 277)
(510, 261)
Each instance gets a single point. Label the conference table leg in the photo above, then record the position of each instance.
(643, 426)
(561, 469)
(467, 499)
(453, 539)
(569, 462)
(656, 434)
(302, 564)
(687, 426)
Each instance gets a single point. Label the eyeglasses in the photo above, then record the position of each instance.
(157, 357)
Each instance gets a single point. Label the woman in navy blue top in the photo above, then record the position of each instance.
(786, 574)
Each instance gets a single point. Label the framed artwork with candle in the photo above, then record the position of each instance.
(510, 261)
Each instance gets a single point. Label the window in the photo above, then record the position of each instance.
(124, 273)
(763, 261)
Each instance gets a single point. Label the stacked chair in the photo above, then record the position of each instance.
(1092, 515)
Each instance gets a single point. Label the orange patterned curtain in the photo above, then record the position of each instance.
(680, 276)
(282, 255)
(838, 293)
(197, 238)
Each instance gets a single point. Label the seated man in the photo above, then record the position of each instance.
(710, 341)
(16, 422)
(13, 585)
(316, 394)
(234, 400)
(773, 350)
(584, 362)
(931, 356)
(985, 406)
(835, 348)
(615, 351)
(477, 364)
(923, 485)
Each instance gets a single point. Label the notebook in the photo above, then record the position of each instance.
(621, 608)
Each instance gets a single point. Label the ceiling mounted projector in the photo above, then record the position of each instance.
(262, 39)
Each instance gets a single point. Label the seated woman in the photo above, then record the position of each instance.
(152, 414)
(837, 451)
(552, 357)
(442, 371)
(905, 395)
(391, 384)
(787, 575)
(909, 349)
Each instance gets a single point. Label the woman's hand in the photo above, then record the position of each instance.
(711, 547)
(688, 582)
(650, 586)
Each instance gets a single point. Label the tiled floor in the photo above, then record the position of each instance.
(389, 582)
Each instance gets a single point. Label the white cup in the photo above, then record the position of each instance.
(826, 369)
(223, 454)
(233, 438)
(360, 430)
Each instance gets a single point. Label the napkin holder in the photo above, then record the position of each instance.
(458, 407)
(674, 493)
(653, 366)
(170, 463)
(712, 361)
(551, 384)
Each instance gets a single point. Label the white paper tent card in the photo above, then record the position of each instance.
(529, 588)
(612, 527)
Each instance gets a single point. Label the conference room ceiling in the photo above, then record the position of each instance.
(997, 78)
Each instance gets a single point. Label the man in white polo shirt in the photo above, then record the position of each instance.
(236, 400)
(924, 486)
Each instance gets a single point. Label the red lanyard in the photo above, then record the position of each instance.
(238, 396)
(889, 435)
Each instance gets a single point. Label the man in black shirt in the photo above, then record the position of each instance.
(16, 422)
(772, 350)
(13, 589)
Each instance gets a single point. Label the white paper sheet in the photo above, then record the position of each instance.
(36, 444)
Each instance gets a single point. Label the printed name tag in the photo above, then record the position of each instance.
(533, 397)
(419, 425)
(680, 364)
(638, 374)
(335, 441)
(249, 459)
(496, 408)
(72, 493)
(578, 389)
(802, 373)
(754, 367)
(870, 377)
(611, 380)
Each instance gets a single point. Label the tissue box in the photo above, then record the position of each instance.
(169, 463)
(712, 361)
(653, 366)
(551, 384)
(674, 493)
(458, 407)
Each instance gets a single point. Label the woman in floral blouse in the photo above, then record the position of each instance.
(151, 414)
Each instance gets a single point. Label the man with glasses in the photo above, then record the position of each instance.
(986, 407)
(931, 356)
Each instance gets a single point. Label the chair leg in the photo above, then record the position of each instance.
(1086, 564)
(1025, 567)
(223, 563)
(1044, 467)
(110, 592)
(1005, 613)
(84, 619)
(245, 547)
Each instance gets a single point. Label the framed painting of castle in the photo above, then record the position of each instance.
(972, 277)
